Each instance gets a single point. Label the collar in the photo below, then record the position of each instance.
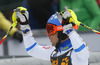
(65, 45)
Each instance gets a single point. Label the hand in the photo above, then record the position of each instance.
(69, 15)
(22, 15)
(64, 18)
(66, 14)
(73, 18)
(17, 35)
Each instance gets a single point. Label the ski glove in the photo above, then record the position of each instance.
(64, 18)
(22, 17)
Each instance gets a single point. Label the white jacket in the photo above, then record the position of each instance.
(79, 54)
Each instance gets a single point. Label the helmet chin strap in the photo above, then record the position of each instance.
(61, 36)
(58, 44)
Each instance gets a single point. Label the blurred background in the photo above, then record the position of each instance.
(12, 51)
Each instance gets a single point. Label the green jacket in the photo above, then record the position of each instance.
(87, 12)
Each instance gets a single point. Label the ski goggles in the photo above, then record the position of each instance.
(51, 29)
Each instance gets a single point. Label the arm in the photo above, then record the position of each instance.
(6, 24)
(78, 44)
(35, 50)
(31, 45)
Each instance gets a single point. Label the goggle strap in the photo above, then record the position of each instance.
(58, 28)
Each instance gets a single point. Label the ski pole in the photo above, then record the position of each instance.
(20, 9)
(90, 28)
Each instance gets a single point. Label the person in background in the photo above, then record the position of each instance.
(7, 6)
(5, 24)
(6, 9)
(67, 47)
(98, 2)
(39, 13)
(87, 11)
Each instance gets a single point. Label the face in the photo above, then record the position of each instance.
(54, 38)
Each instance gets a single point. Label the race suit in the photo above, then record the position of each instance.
(73, 51)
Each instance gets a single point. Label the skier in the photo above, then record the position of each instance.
(67, 48)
